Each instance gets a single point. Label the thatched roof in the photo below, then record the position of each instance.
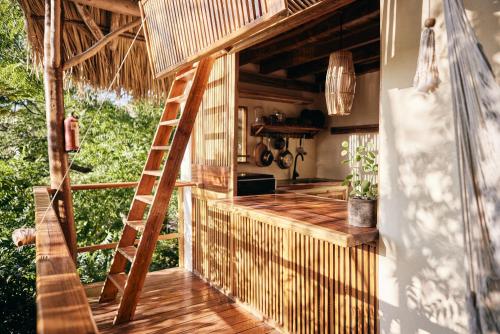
(98, 71)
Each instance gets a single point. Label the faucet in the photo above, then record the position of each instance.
(295, 175)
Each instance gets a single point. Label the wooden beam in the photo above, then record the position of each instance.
(119, 185)
(89, 22)
(349, 41)
(125, 7)
(341, 130)
(263, 80)
(54, 108)
(94, 49)
(362, 54)
(314, 12)
(354, 15)
(81, 24)
(114, 25)
(371, 65)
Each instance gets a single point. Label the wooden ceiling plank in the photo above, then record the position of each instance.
(356, 39)
(354, 16)
(125, 7)
(263, 80)
(362, 54)
(301, 18)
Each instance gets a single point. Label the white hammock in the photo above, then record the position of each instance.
(476, 102)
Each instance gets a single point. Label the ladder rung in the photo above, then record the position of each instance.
(186, 75)
(160, 148)
(156, 173)
(137, 225)
(118, 280)
(128, 252)
(176, 99)
(171, 122)
(148, 199)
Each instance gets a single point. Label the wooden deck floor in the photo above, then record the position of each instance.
(176, 301)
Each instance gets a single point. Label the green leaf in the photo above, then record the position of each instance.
(344, 153)
(345, 144)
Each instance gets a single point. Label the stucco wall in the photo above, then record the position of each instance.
(421, 277)
(365, 110)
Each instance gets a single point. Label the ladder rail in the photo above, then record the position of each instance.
(141, 257)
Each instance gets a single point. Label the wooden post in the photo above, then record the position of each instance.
(54, 108)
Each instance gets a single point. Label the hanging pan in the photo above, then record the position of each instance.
(285, 158)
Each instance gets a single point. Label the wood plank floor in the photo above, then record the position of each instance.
(176, 301)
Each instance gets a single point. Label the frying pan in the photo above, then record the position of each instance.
(285, 158)
(258, 150)
(267, 157)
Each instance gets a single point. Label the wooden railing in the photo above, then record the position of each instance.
(127, 185)
(58, 286)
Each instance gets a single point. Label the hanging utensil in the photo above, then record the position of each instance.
(267, 156)
(257, 152)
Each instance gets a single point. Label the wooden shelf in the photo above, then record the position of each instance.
(293, 131)
(341, 130)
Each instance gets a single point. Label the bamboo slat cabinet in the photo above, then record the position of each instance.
(299, 278)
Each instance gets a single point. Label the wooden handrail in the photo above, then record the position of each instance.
(62, 306)
(118, 185)
(113, 245)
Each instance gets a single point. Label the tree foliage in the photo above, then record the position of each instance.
(117, 138)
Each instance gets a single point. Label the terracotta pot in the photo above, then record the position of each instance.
(362, 212)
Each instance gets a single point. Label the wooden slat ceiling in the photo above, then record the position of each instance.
(304, 51)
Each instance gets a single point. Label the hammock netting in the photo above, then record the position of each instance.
(476, 104)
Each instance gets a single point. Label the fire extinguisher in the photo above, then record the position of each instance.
(71, 134)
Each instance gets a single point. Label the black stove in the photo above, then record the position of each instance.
(255, 184)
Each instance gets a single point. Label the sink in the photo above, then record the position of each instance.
(310, 180)
(304, 181)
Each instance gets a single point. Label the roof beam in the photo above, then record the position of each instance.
(367, 35)
(360, 55)
(126, 7)
(263, 80)
(354, 15)
(94, 49)
(89, 22)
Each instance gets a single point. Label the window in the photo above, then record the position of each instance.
(242, 134)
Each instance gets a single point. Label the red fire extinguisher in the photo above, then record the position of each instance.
(71, 134)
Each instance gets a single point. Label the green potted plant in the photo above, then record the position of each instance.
(363, 187)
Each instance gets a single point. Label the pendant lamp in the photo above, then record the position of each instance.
(340, 81)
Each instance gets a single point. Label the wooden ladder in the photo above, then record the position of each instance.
(188, 87)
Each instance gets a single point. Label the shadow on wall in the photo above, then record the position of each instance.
(422, 273)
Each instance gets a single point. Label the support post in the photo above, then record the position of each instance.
(54, 108)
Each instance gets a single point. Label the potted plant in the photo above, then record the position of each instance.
(363, 187)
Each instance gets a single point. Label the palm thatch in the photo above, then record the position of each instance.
(135, 77)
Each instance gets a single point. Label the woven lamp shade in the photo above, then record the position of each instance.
(340, 83)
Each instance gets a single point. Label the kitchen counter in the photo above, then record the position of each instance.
(318, 217)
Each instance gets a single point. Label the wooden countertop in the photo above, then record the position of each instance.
(318, 217)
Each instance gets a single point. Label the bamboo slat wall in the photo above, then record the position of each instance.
(181, 31)
(299, 283)
(213, 139)
(295, 6)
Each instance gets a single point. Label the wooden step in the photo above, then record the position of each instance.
(118, 280)
(128, 252)
(177, 99)
(137, 225)
(148, 199)
(160, 148)
(156, 173)
(171, 122)
(188, 75)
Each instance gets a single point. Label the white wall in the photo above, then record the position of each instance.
(421, 262)
(365, 110)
